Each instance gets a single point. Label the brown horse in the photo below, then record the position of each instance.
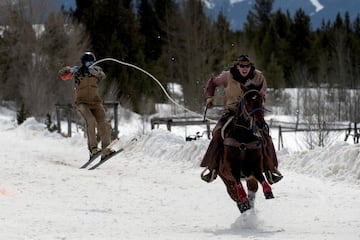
(242, 156)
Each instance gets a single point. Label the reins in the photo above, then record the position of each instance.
(247, 116)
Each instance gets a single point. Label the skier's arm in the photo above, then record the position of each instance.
(97, 72)
(67, 72)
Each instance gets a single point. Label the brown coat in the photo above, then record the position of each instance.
(232, 87)
(87, 90)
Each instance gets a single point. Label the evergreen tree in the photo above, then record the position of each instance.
(299, 41)
(274, 74)
(194, 51)
(150, 29)
(114, 32)
(258, 22)
(227, 49)
(270, 46)
(167, 12)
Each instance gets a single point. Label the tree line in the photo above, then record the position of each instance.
(176, 41)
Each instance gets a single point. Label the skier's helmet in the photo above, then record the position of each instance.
(87, 59)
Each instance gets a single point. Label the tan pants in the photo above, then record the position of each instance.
(95, 118)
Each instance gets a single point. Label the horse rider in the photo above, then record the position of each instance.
(243, 72)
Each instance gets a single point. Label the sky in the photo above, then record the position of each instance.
(153, 190)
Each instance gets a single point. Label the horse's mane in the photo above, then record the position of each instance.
(252, 86)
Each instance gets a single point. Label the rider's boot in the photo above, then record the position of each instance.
(272, 174)
(211, 158)
(208, 175)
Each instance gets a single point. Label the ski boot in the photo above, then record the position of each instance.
(94, 152)
(107, 152)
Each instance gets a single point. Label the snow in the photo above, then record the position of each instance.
(318, 6)
(153, 190)
(235, 1)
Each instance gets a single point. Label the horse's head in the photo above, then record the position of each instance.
(251, 104)
(249, 116)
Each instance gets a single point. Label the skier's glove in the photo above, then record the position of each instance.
(93, 71)
(65, 73)
(209, 102)
(74, 69)
(88, 64)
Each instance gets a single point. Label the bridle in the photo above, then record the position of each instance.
(247, 116)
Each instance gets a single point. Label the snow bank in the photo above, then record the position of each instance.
(340, 162)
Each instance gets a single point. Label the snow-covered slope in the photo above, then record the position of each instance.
(153, 191)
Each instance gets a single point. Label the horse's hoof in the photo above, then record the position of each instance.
(243, 206)
(269, 195)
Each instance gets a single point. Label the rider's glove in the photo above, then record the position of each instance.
(209, 102)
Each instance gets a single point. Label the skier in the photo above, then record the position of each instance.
(89, 102)
(242, 72)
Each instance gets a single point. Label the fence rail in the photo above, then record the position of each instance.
(350, 129)
(180, 121)
(67, 111)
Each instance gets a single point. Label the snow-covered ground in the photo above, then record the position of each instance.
(154, 191)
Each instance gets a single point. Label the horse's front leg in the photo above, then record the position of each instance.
(265, 185)
(230, 173)
(252, 186)
(243, 201)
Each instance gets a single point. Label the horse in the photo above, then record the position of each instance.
(242, 150)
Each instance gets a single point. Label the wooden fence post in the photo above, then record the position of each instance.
(280, 139)
(356, 134)
(58, 123)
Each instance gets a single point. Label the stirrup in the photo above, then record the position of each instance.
(273, 177)
(210, 176)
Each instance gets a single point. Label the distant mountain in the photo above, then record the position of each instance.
(237, 10)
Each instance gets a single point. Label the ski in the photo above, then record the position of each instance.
(102, 161)
(105, 159)
(92, 158)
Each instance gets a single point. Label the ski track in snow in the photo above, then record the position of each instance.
(154, 191)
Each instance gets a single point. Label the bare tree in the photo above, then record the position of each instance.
(191, 44)
(61, 45)
(35, 53)
(18, 45)
(313, 108)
